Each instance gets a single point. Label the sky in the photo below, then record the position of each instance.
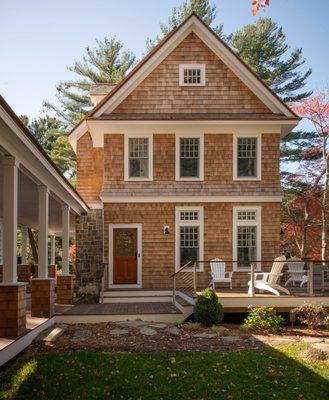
(39, 39)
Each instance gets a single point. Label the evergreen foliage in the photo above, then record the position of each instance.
(207, 310)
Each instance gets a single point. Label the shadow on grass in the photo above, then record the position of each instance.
(264, 373)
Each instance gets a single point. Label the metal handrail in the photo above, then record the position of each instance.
(188, 264)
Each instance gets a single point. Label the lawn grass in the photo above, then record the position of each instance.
(265, 373)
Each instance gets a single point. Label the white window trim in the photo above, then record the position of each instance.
(178, 224)
(139, 256)
(126, 157)
(202, 68)
(258, 136)
(257, 222)
(201, 158)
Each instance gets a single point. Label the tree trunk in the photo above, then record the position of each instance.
(33, 245)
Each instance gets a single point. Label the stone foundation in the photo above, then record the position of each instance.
(89, 247)
(12, 310)
(42, 297)
(65, 286)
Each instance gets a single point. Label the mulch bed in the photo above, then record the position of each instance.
(100, 339)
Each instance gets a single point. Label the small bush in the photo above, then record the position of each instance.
(263, 319)
(220, 330)
(311, 315)
(207, 309)
(88, 294)
(191, 326)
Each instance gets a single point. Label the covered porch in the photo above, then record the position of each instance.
(33, 194)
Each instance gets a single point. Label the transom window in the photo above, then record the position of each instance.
(138, 158)
(246, 236)
(189, 157)
(189, 235)
(192, 74)
(247, 157)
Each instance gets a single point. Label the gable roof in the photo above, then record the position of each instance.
(192, 24)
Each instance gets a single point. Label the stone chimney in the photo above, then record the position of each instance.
(98, 91)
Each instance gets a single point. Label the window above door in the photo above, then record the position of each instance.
(247, 157)
(138, 158)
(189, 158)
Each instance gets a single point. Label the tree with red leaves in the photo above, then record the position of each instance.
(306, 204)
(258, 4)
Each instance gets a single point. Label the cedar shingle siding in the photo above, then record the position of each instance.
(223, 92)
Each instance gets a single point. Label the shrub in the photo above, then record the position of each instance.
(263, 319)
(207, 309)
(312, 315)
(191, 326)
(220, 330)
(88, 294)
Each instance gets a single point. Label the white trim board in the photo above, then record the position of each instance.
(190, 199)
(139, 255)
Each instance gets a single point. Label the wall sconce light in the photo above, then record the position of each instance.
(166, 230)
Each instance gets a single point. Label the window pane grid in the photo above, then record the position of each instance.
(246, 215)
(192, 76)
(247, 157)
(138, 157)
(246, 243)
(189, 147)
(189, 157)
(189, 236)
(247, 148)
(138, 147)
(189, 215)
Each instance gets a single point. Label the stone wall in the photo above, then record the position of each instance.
(89, 247)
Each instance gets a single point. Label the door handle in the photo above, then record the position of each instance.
(136, 255)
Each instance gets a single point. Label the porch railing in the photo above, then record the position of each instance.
(104, 281)
(185, 278)
(191, 277)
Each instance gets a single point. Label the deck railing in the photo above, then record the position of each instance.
(308, 279)
(104, 282)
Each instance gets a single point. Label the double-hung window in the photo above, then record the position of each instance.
(246, 236)
(247, 157)
(138, 158)
(189, 235)
(189, 158)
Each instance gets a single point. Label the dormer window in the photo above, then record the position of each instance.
(192, 74)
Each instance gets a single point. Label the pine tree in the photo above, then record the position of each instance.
(263, 46)
(50, 134)
(105, 63)
(202, 8)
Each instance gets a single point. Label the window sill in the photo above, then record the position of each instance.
(138, 179)
(247, 178)
(189, 179)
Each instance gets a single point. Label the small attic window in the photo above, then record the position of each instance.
(192, 74)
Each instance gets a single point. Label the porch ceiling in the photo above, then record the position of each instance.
(28, 205)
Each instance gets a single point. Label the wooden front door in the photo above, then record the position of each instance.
(125, 254)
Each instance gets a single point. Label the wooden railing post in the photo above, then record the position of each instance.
(194, 275)
(174, 290)
(252, 280)
(311, 278)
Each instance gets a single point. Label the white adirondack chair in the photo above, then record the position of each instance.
(296, 273)
(218, 273)
(268, 280)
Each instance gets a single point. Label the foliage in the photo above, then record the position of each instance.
(326, 322)
(220, 330)
(207, 310)
(263, 319)
(190, 326)
(311, 315)
(202, 8)
(88, 294)
(259, 4)
(51, 135)
(105, 63)
(263, 46)
(264, 373)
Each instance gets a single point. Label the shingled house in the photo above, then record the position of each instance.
(177, 162)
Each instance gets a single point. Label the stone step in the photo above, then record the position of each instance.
(52, 334)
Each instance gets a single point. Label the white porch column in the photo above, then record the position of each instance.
(1, 241)
(65, 239)
(10, 188)
(43, 232)
(52, 249)
(24, 244)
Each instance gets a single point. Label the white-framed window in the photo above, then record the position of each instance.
(189, 157)
(138, 158)
(247, 157)
(192, 74)
(246, 236)
(188, 235)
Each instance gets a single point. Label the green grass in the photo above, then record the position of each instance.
(265, 373)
